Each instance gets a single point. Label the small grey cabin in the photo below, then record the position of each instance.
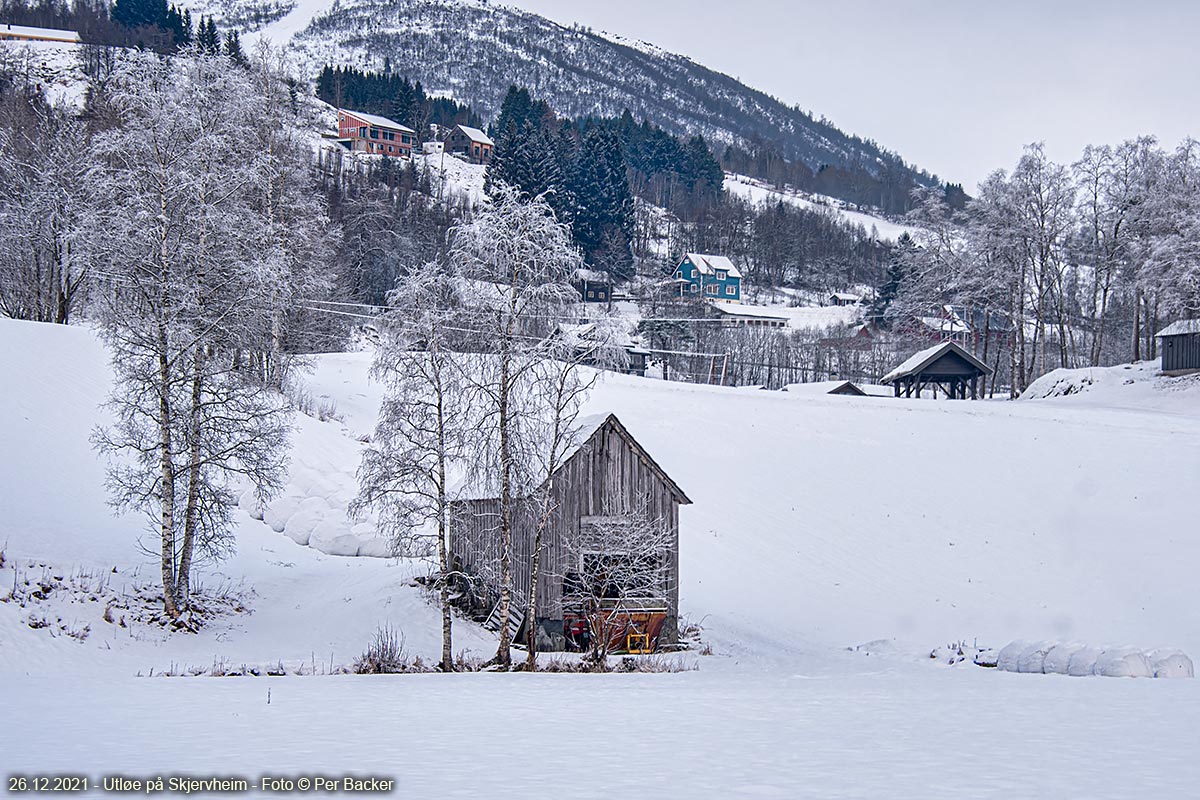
(604, 480)
(1181, 347)
(946, 366)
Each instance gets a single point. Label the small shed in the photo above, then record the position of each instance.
(946, 366)
(844, 299)
(1180, 347)
(605, 477)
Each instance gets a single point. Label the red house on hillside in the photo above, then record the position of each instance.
(471, 142)
(368, 133)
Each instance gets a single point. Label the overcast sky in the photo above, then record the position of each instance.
(955, 86)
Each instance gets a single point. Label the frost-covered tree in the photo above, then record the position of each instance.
(296, 232)
(190, 282)
(516, 261)
(45, 182)
(1172, 268)
(621, 557)
(424, 427)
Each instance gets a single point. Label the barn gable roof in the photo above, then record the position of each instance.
(1180, 328)
(623, 432)
(587, 427)
(8, 30)
(922, 360)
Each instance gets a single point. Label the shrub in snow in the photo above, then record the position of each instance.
(1058, 659)
(386, 655)
(986, 657)
(1033, 658)
(1006, 660)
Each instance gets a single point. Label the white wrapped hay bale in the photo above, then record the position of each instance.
(1010, 654)
(1083, 661)
(1033, 658)
(1123, 662)
(1170, 663)
(1058, 660)
(1073, 658)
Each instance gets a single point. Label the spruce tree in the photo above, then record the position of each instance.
(897, 269)
(603, 219)
(233, 49)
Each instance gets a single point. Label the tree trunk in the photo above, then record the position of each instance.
(447, 664)
(192, 511)
(503, 650)
(1137, 325)
(167, 483)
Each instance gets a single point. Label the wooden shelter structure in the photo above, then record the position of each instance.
(947, 366)
(1181, 347)
(604, 481)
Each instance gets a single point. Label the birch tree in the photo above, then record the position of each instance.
(188, 287)
(516, 261)
(424, 427)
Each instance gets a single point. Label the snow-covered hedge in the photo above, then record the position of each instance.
(1072, 658)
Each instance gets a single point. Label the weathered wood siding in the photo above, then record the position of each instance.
(1181, 353)
(607, 476)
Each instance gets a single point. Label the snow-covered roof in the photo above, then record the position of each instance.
(611, 332)
(747, 310)
(924, 358)
(29, 32)
(708, 264)
(378, 121)
(846, 296)
(948, 325)
(1181, 327)
(476, 135)
(585, 274)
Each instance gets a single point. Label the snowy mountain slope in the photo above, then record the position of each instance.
(759, 192)
(473, 50)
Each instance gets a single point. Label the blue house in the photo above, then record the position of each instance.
(713, 277)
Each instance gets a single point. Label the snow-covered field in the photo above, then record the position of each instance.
(820, 523)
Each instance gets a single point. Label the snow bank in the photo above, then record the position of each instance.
(1139, 384)
(1072, 658)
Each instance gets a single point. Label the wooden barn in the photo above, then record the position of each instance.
(1181, 347)
(603, 483)
(946, 366)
